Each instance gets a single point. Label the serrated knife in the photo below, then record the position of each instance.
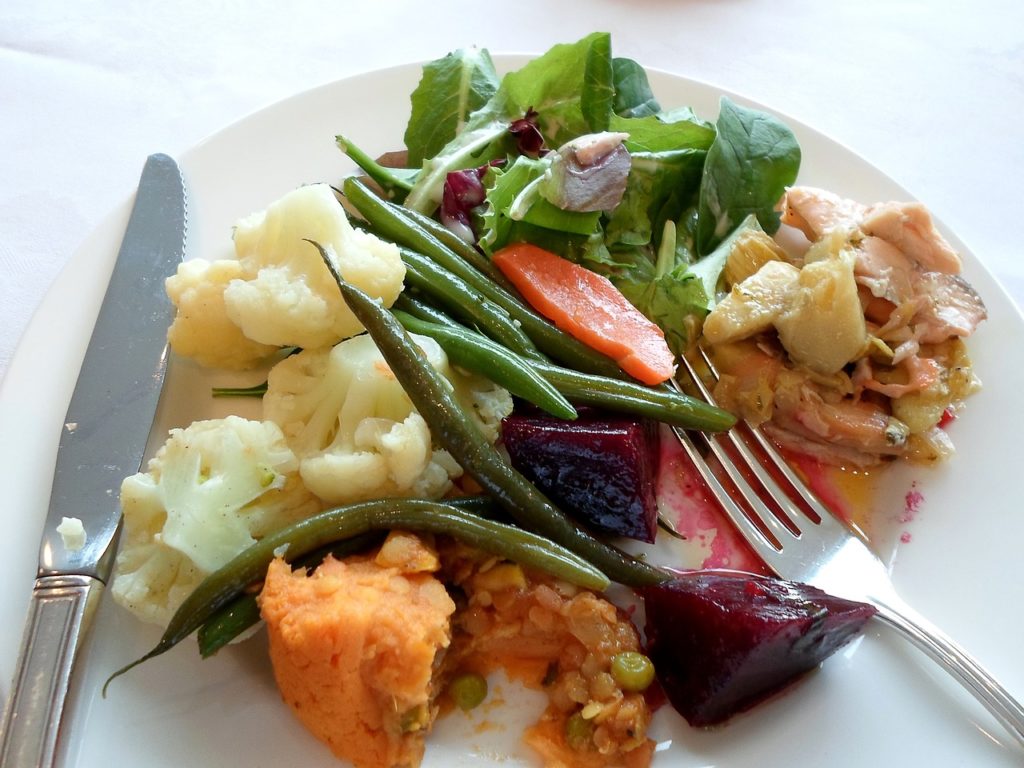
(102, 442)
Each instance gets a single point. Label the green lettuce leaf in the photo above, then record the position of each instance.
(709, 269)
(504, 186)
(666, 291)
(675, 291)
(660, 186)
(473, 147)
(665, 131)
(668, 152)
(545, 214)
(450, 89)
(571, 89)
(516, 211)
(588, 250)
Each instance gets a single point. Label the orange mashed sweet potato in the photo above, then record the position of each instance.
(354, 648)
(363, 648)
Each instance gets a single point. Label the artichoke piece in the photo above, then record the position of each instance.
(823, 326)
(924, 409)
(751, 250)
(753, 305)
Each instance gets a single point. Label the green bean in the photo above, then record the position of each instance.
(420, 233)
(460, 298)
(479, 354)
(457, 245)
(480, 504)
(421, 310)
(225, 584)
(659, 403)
(396, 182)
(228, 623)
(257, 390)
(551, 340)
(455, 431)
(238, 615)
(662, 404)
(556, 343)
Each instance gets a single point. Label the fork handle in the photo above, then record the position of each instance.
(934, 642)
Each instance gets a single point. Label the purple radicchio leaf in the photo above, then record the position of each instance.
(463, 192)
(529, 140)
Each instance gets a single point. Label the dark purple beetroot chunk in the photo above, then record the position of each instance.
(600, 469)
(721, 641)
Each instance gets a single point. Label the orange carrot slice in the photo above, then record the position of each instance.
(587, 306)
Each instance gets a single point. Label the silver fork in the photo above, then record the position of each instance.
(799, 539)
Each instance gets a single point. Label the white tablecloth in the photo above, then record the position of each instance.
(931, 92)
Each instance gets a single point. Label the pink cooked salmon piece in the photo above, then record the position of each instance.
(907, 226)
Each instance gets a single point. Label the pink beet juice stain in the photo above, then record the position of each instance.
(683, 495)
(911, 506)
(687, 500)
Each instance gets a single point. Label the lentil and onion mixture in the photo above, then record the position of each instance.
(577, 647)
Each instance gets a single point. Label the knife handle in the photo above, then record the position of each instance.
(59, 616)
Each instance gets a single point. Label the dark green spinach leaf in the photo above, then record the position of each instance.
(753, 159)
(633, 94)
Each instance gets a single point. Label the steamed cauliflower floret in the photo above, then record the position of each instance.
(202, 329)
(210, 491)
(287, 296)
(234, 313)
(354, 428)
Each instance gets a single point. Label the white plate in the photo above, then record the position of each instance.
(876, 701)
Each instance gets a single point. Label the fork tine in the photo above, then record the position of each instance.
(780, 464)
(789, 508)
(769, 515)
(767, 530)
(768, 549)
(821, 514)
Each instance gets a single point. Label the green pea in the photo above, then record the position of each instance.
(632, 671)
(468, 691)
(579, 732)
(415, 719)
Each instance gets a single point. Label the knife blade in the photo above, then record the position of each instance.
(102, 442)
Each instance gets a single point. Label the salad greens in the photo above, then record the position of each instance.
(690, 185)
(465, 81)
(633, 95)
(752, 161)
